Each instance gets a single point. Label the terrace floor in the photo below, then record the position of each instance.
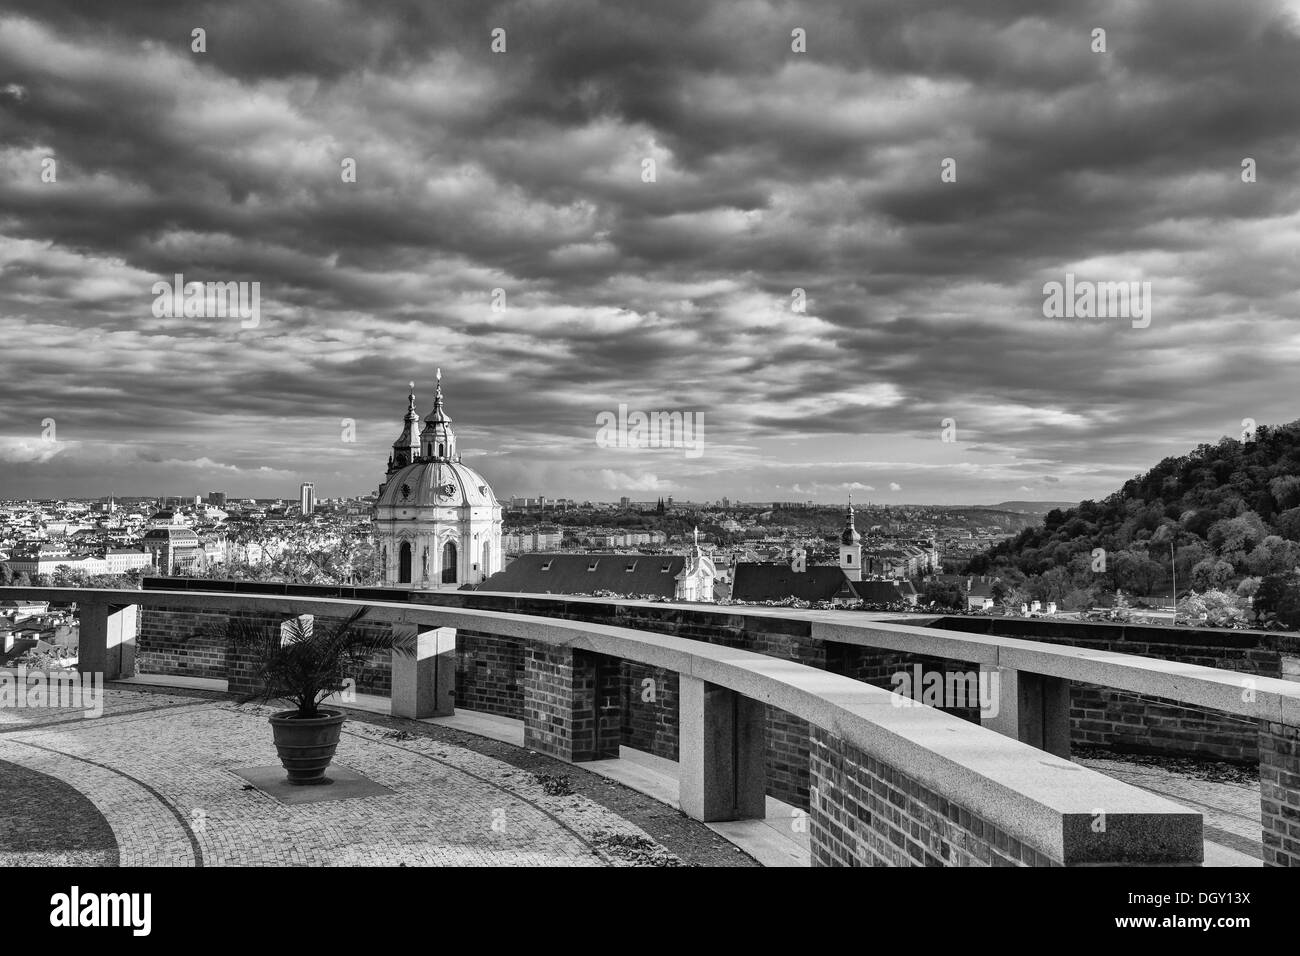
(156, 780)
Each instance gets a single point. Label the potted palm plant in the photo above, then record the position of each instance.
(303, 664)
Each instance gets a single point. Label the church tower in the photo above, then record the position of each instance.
(851, 547)
(438, 441)
(437, 522)
(407, 447)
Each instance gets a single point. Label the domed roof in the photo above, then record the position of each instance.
(447, 484)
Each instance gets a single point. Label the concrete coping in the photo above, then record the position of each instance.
(1066, 811)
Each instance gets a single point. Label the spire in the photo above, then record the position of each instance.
(407, 447)
(438, 441)
(850, 535)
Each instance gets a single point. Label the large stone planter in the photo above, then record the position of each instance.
(306, 745)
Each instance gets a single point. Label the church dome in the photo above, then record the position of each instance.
(436, 484)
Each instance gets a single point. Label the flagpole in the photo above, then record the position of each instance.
(1173, 581)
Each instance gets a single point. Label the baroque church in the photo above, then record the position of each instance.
(437, 522)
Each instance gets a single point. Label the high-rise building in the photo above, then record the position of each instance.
(217, 499)
(307, 498)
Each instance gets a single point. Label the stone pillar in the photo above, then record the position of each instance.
(1032, 708)
(106, 640)
(1279, 792)
(572, 703)
(721, 753)
(424, 683)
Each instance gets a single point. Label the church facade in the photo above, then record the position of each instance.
(437, 522)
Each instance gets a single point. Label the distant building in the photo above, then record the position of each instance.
(174, 549)
(673, 577)
(307, 498)
(122, 560)
(843, 584)
(217, 499)
(437, 521)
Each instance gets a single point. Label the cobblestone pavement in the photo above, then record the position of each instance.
(159, 769)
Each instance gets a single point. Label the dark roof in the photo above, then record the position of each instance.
(651, 574)
(878, 592)
(772, 582)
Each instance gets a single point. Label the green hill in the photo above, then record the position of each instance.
(1227, 514)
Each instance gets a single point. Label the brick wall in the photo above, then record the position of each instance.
(649, 709)
(866, 813)
(181, 643)
(190, 642)
(1135, 723)
(1279, 793)
(572, 702)
(490, 674)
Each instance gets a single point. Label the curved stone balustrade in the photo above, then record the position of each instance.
(889, 783)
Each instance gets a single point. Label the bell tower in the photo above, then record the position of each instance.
(851, 547)
(407, 447)
(437, 440)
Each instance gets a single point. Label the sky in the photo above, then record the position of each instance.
(504, 225)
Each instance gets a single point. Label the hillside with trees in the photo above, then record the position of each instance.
(1225, 519)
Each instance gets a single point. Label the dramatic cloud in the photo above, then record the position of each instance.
(797, 271)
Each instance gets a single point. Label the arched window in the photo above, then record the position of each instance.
(404, 564)
(449, 563)
(487, 558)
(442, 450)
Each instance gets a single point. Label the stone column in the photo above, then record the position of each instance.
(572, 703)
(106, 639)
(424, 683)
(1031, 708)
(721, 753)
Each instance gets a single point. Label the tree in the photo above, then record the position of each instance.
(1278, 598)
(1211, 573)
(1237, 534)
(1136, 572)
(1287, 524)
(1273, 555)
(944, 595)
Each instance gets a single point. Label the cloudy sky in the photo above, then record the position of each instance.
(524, 171)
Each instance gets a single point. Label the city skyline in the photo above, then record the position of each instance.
(501, 228)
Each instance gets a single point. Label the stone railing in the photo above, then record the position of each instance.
(887, 784)
(1092, 690)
